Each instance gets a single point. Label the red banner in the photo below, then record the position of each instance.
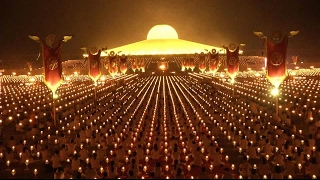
(94, 65)
(233, 62)
(214, 63)
(113, 68)
(106, 63)
(52, 66)
(134, 64)
(123, 64)
(276, 65)
(187, 63)
(202, 63)
(191, 64)
(142, 65)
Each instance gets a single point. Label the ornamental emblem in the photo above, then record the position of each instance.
(106, 64)
(276, 36)
(112, 53)
(94, 64)
(94, 50)
(113, 64)
(50, 40)
(276, 58)
(53, 63)
(232, 60)
(232, 47)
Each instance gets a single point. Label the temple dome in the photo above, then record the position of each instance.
(162, 31)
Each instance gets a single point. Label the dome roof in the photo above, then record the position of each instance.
(162, 31)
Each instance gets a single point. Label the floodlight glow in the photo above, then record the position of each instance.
(275, 91)
(54, 95)
(162, 67)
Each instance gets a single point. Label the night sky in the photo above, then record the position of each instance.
(113, 23)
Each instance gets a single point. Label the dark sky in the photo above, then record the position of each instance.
(113, 23)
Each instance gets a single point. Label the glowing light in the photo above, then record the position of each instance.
(275, 91)
(162, 32)
(54, 95)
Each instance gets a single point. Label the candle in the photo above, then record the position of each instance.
(167, 168)
(35, 171)
(13, 172)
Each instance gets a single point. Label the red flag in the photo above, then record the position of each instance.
(106, 63)
(52, 66)
(123, 64)
(233, 62)
(94, 65)
(202, 64)
(134, 64)
(214, 63)
(191, 64)
(142, 65)
(276, 66)
(187, 63)
(113, 68)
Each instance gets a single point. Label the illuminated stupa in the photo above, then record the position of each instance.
(162, 40)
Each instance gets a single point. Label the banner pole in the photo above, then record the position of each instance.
(95, 91)
(277, 109)
(54, 110)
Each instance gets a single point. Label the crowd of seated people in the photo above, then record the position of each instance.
(167, 127)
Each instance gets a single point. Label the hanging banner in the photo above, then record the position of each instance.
(106, 63)
(134, 64)
(113, 68)
(276, 65)
(232, 60)
(52, 62)
(94, 64)
(202, 63)
(142, 65)
(183, 65)
(191, 64)
(214, 62)
(187, 63)
(123, 63)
